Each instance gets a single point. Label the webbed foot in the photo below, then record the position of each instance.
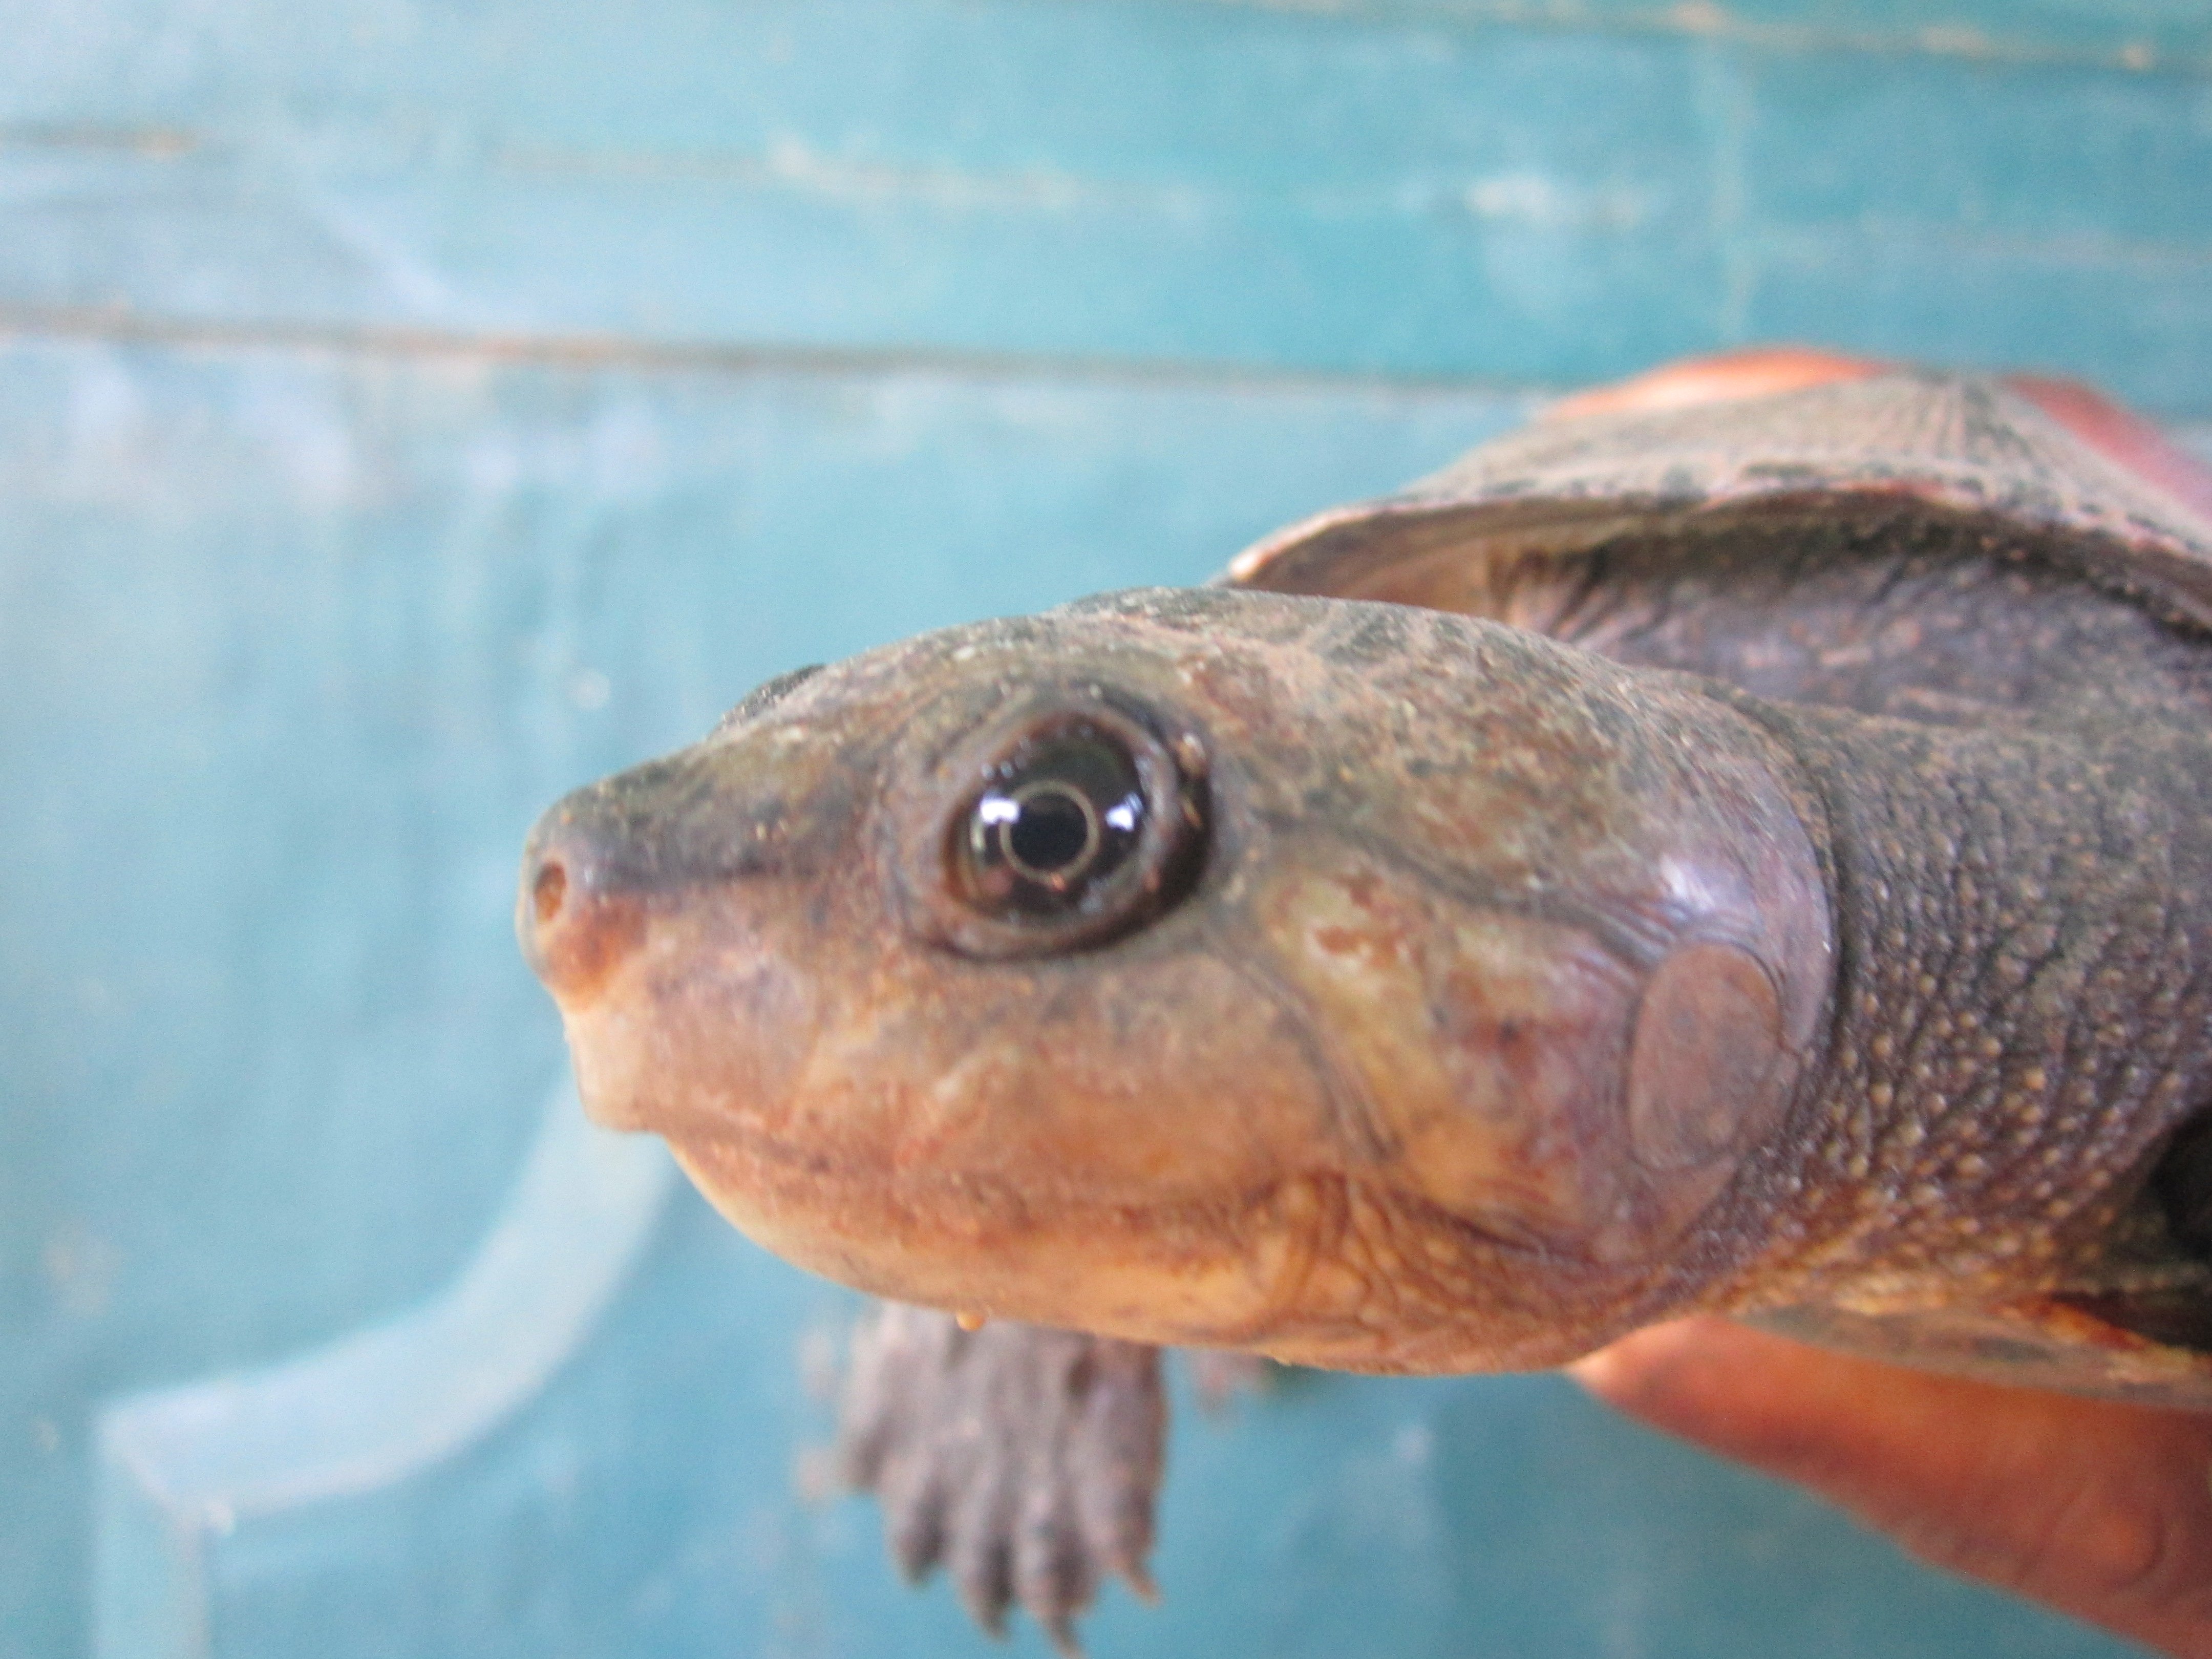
(1024, 1460)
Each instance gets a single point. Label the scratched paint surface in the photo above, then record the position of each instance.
(409, 409)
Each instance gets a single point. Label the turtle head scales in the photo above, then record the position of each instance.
(1372, 987)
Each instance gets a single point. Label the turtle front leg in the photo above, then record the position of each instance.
(1025, 1460)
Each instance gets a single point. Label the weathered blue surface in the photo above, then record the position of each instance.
(408, 411)
(1430, 188)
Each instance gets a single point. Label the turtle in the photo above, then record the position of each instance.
(1741, 844)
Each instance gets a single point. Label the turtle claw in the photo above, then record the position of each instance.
(1023, 1460)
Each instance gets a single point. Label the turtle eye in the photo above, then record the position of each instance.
(1056, 821)
(1078, 821)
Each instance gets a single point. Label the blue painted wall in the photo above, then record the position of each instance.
(408, 411)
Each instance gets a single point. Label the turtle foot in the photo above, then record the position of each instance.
(1024, 1460)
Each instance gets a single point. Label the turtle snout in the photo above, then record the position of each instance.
(576, 917)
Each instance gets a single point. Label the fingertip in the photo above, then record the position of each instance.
(2099, 1509)
(1747, 1393)
(1649, 1365)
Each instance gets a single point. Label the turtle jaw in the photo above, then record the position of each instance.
(1188, 1275)
(1039, 1144)
(1313, 1270)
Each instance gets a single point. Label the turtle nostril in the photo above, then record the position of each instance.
(549, 890)
(575, 916)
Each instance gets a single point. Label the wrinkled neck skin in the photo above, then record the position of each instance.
(2012, 772)
(2022, 1012)
(2018, 1018)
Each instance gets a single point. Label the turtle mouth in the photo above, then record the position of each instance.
(1210, 1271)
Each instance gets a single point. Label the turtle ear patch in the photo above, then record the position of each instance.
(1708, 1072)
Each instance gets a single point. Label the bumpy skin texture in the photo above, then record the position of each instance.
(1816, 928)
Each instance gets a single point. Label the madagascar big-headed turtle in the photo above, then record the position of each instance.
(1743, 845)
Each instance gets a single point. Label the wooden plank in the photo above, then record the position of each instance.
(2095, 163)
(1450, 193)
(1922, 298)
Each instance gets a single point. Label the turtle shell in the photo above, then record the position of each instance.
(2096, 490)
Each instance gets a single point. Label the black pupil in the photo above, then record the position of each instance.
(1052, 833)
(1057, 818)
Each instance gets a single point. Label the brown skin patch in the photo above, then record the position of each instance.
(1483, 1050)
(578, 937)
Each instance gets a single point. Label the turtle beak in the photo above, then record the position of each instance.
(576, 919)
(583, 922)
(656, 906)
(643, 849)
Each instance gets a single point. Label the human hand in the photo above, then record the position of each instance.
(2098, 1510)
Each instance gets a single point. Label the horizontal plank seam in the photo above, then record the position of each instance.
(1701, 20)
(589, 351)
(1814, 243)
(583, 351)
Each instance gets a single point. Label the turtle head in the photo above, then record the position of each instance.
(1370, 986)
